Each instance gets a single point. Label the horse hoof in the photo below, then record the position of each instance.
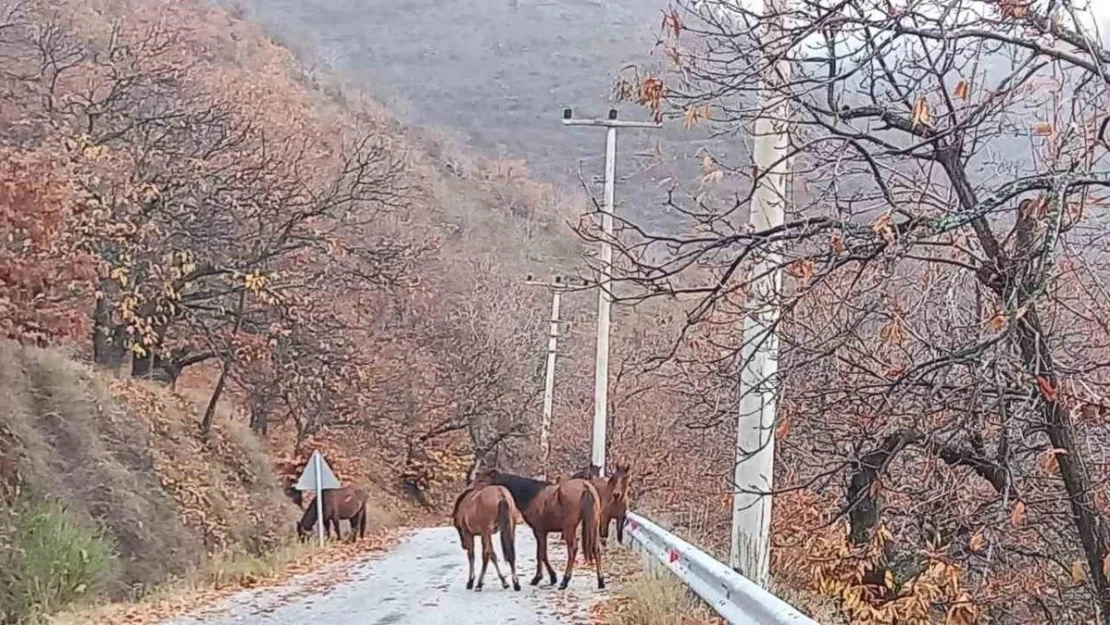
(504, 584)
(536, 581)
(516, 585)
(563, 586)
(470, 585)
(478, 588)
(600, 584)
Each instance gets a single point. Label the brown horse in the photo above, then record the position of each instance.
(614, 497)
(557, 508)
(482, 510)
(348, 503)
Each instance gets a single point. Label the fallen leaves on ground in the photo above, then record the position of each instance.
(179, 601)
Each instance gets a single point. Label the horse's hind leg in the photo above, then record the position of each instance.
(468, 544)
(572, 553)
(487, 543)
(541, 553)
(547, 563)
(487, 552)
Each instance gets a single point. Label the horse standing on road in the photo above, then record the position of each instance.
(348, 503)
(614, 497)
(558, 508)
(482, 510)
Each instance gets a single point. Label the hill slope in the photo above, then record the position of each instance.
(127, 462)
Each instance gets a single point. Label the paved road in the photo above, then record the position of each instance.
(419, 582)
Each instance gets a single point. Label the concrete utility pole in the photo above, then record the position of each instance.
(755, 426)
(605, 294)
(557, 286)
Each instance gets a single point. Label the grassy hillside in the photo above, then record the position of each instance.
(119, 468)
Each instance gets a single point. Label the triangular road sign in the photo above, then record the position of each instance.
(307, 480)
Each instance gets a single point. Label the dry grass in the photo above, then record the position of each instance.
(658, 598)
(818, 607)
(227, 574)
(646, 594)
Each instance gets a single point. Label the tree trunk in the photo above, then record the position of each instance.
(1074, 471)
(153, 367)
(109, 338)
(210, 411)
(1008, 277)
(863, 502)
(260, 422)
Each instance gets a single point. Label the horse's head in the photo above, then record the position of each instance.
(294, 495)
(618, 483)
(618, 486)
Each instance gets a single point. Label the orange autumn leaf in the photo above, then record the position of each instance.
(922, 114)
(1017, 517)
(1046, 388)
(996, 322)
(1043, 129)
(963, 90)
(1048, 461)
(1106, 566)
(803, 269)
(1078, 572)
(977, 542)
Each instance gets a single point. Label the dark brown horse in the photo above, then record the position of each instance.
(482, 510)
(557, 508)
(348, 503)
(614, 497)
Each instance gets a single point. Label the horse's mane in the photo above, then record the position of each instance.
(308, 519)
(523, 489)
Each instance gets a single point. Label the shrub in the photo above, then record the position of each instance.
(48, 561)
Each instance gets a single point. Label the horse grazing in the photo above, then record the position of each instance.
(614, 497)
(482, 510)
(348, 503)
(558, 508)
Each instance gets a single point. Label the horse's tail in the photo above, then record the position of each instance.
(590, 526)
(505, 526)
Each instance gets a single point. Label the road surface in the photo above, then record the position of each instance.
(421, 581)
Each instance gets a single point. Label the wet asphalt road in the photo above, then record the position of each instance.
(421, 581)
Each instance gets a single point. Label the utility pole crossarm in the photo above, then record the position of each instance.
(557, 286)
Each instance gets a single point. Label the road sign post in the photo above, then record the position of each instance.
(318, 476)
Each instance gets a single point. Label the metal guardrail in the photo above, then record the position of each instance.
(733, 596)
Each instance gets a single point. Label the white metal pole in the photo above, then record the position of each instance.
(755, 431)
(549, 384)
(604, 298)
(319, 497)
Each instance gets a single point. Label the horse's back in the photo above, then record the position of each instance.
(478, 507)
(346, 501)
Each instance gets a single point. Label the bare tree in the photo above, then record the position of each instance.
(947, 272)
